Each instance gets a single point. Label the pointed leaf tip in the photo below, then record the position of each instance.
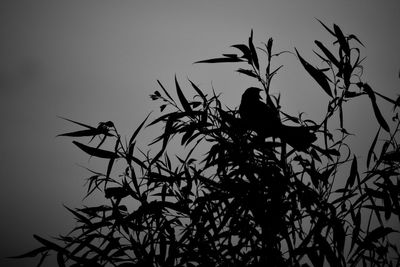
(181, 96)
(317, 74)
(96, 152)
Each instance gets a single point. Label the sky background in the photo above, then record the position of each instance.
(95, 61)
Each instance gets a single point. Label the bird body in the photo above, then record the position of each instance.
(264, 119)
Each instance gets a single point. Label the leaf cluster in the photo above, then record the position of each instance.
(248, 201)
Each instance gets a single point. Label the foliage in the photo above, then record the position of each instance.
(247, 201)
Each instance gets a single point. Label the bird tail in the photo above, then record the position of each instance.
(298, 137)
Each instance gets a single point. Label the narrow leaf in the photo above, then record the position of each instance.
(197, 89)
(90, 132)
(341, 39)
(48, 244)
(318, 75)
(245, 50)
(329, 30)
(30, 254)
(352, 36)
(165, 91)
(138, 130)
(375, 107)
(376, 234)
(81, 124)
(253, 51)
(247, 72)
(220, 60)
(181, 96)
(328, 54)
(60, 259)
(371, 149)
(96, 152)
(353, 173)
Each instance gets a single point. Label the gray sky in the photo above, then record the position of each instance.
(95, 61)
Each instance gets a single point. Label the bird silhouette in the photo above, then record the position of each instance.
(263, 118)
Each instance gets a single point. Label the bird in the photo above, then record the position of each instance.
(263, 118)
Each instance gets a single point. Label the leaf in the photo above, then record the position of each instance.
(48, 244)
(138, 129)
(197, 89)
(96, 152)
(328, 54)
(253, 51)
(220, 60)
(388, 99)
(371, 149)
(245, 50)
(109, 167)
(247, 72)
(60, 259)
(353, 173)
(318, 75)
(352, 36)
(181, 96)
(341, 39)
(90, 132)
(81, 124)
(329, 30)
(376, 234)
(30, 254)
(116, 192)
(269, 46)
(377, 112)
(166, 135)
(165, 91)
(391, 156)
(387, 203)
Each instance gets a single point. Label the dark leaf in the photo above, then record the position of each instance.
(391, 156)
(220, 60)
(248, 73)
(230, 55)
(116, 192)
(81, 124)
(377, 112)
(96, 152)
(269, 46)
(245, 50)
(371, 149)
(48, 244)
(388, 99)
(31, 254)
(341, 39)
(181, 96)
(352, 36)
(165, 91)
(388, 205)
(328, 54)
(109, 167)
(60, 259)
(318, 75)
(197, 89)
(353, 173)
(79, 216)
(376, 234)
(138, 130)
(90, 132)
(329, 30)
(253, 51)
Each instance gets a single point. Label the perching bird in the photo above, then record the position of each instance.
(264, 119)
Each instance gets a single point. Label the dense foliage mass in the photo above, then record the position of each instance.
(256, 197)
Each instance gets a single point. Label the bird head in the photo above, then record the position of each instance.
(252, 94)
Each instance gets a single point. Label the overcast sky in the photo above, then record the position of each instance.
(95, 61)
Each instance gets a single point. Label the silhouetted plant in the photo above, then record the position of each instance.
(256, 197)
